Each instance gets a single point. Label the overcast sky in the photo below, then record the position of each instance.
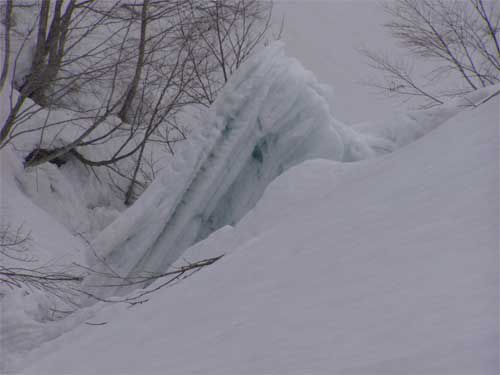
(324, 36)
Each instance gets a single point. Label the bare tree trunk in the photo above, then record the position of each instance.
(218, 20)
(130, 191)
(124, 113)
(56, 42)
(53, 51)
(479, 5)
(6, 49)
(10, 121)
(33, 82)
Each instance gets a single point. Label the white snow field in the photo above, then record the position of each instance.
(383, 266)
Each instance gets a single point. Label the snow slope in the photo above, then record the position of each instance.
(385, 266)
(23, 311)
(272, 115)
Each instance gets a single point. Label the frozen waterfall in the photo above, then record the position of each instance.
(272, 114)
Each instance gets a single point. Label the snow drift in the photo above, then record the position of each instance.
(386, 266)
(272, 115)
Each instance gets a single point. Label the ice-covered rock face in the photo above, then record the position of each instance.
(271, 115)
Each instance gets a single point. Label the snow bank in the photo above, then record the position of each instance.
(24, 312)
(400, 129)
(272, 115)
(78, 197)
(385, 266)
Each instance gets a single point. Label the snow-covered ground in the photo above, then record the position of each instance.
(272, 115)
(389, 265)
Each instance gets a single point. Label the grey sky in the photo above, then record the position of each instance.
(324, 36)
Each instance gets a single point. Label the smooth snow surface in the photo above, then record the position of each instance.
(386, 266)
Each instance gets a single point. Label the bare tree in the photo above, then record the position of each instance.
(7, 20)
(141, 62)
(226, 33)
(169, 278)
(134, 84)
(20, 269)
(42, 83)
(460, 39)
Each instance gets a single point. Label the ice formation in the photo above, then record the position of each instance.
(273, 114)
